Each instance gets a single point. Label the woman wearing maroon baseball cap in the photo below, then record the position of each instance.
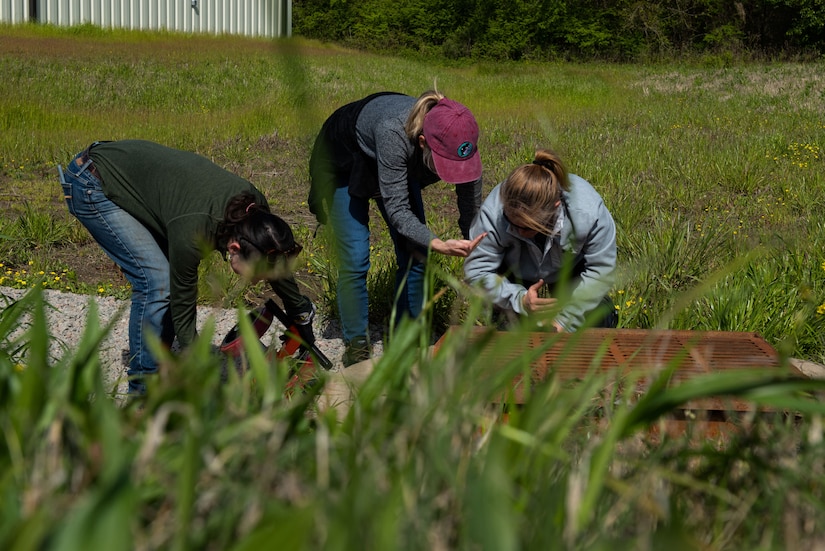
(388, 147)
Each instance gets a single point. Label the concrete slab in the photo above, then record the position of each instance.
(809, 369)
(342, 386)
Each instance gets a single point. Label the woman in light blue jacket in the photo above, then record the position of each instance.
(549, 249)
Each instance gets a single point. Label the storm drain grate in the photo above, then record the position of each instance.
(634, 354)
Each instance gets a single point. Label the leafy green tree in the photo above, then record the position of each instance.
(552, 29)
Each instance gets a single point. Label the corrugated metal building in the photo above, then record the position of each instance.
(266, 18)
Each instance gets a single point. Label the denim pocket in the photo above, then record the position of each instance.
(93, 199)
(67, 190)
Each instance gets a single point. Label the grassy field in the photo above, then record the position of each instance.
(713, 174)
(716, 179)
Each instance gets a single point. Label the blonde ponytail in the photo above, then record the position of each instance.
(415, 122)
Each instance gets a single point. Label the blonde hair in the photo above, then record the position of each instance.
(532, 192)
(415, 122)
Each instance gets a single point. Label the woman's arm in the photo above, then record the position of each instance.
(393, 157)
(468, 201)
(483, 265)
(599, 250)
(183, 289)
(393, 151)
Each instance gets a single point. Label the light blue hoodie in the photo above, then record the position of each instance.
(586, 232)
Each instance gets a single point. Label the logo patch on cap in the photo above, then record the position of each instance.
(465, 150)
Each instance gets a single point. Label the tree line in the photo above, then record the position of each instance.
(609, 30)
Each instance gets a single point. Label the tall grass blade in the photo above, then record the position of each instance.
(287, 528)
(753, 385)
(489, 504)
(103, 518)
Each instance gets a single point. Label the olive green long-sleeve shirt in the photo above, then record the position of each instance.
(181, 197)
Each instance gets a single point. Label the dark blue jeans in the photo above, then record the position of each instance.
(349, 219)
(132, 247)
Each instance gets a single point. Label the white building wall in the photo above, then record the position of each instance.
(267, 18)
(14, 11)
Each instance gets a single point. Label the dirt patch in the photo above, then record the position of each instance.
(795, 86)
(89, 263)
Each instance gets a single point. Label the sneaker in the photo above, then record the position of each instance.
(357, 350)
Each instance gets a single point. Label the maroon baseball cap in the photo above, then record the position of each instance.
(451, 132)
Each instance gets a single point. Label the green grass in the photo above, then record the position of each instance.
(699, 165)
(418, 462)
(715, 178)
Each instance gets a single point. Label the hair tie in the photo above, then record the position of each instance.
(543, 164)
(249, 206)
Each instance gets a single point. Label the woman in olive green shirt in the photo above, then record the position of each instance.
(157, 212)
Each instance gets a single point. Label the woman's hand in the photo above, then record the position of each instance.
(456, 247)
(532, 302)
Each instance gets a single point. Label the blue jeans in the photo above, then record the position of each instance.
(132, 247)
(349, 218)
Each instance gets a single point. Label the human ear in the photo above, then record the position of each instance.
(422, 141)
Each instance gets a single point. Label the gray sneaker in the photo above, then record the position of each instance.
(357, 350)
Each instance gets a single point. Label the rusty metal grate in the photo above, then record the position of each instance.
(642, 352)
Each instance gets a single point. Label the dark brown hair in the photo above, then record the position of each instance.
(256, 229)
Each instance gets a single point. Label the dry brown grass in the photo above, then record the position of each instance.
(797, 86)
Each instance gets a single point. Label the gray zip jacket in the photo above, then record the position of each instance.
(504, 264)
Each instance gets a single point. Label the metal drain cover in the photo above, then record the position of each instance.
(637, 355)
